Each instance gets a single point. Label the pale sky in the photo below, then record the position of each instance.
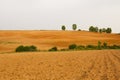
(51, 14)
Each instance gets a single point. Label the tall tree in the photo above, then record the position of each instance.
(96, 29)
(91, 29)
(100, 30)
(63, 27)
(103, 30)
(108, 30)
(74, 26)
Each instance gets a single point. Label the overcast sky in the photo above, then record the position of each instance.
(51, 14)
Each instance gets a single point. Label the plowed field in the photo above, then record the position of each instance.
(74, 65)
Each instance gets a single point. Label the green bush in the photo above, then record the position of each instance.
(91, 47)
(99, 45)
(80, 47)
(20, 48)
(25, 48)
(33, 48)
(53, 49)
(63, 50)
(72, 46)
(104, 46)
(79, 29)
(114, 47)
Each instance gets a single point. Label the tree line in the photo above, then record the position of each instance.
(91, 29)
(96, 29)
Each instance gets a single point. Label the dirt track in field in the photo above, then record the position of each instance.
(44, 40)
(74, 65)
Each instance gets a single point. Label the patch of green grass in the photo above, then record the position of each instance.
(9, 42)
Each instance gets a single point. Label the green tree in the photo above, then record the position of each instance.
(74, 26)
(108, 30)
(103, 30)
(100, 30)
(91, 29)
(95, 29)
(63, 27)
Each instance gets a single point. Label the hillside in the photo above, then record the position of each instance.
(67, 65)
(44, 40)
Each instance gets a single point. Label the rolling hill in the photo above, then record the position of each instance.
(10, 39)
(66, 65)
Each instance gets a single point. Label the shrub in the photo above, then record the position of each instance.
(20, 48)
(63, 49)
(72, 46)
(33, 48)
(53, 49)
(25, 48)
(90, 47)
(80, 47)
(104, 45)
(99, 45)
(79, 29)
(114, 47)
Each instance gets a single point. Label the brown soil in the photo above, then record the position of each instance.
(74, 65)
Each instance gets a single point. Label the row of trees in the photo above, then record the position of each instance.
(96, 29)
(91, 29)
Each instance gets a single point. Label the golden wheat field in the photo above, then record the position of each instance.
(60, 65)
(44, 40)
(73, 65)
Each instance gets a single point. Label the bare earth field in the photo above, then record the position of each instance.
(74, 65)
(44, 40)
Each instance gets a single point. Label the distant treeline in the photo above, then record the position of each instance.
(96, 29)
(91, 29)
